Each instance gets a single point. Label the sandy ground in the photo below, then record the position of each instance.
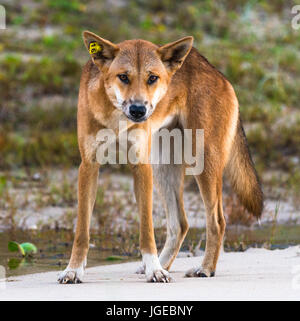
(257, 274)
(34, 211)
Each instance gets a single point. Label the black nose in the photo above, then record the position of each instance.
(137, 111)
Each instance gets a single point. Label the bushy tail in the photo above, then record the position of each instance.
(242, 174)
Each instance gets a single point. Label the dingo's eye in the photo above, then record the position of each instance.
(124, 78)
(152, 79)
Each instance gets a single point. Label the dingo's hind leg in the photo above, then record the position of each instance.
(168, 180)
(210, 185)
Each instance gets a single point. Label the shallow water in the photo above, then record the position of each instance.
(54, 250)
(239, 238)
(54, 246)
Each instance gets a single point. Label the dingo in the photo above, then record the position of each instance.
(154, 87)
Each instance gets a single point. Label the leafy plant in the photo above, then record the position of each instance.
(26, 249)
(114, 258)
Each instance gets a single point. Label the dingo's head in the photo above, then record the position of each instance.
(136, 73)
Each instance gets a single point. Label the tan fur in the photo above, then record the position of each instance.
(189, 93)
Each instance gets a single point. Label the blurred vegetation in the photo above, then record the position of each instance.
(41, 55)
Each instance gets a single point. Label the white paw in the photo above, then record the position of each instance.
(159, 276)
(154, 270)
(70, 275)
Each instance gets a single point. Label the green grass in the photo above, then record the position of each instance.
(250, 41)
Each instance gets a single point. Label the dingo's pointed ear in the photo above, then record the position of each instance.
(174, 53)
(102, 51)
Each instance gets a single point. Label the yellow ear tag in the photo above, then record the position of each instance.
(94, 47)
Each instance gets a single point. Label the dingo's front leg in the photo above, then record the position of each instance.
(143, 186)
(87, 187)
